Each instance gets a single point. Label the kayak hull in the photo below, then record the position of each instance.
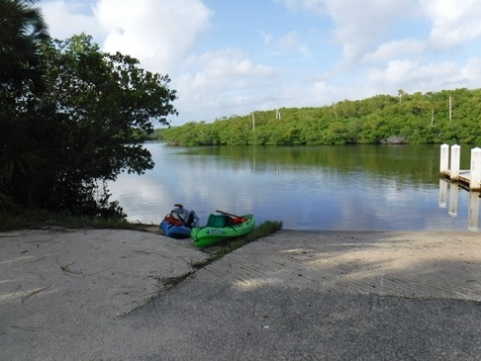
(179, 222)
(208, 236)
(175, 231)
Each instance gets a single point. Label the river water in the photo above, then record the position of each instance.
(361, 187)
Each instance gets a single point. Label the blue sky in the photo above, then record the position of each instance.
(232, 57)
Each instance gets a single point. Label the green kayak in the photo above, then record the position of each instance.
(222, 227)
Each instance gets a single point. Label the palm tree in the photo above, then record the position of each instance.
(21, 30)
(401, 93)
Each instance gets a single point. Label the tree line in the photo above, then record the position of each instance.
(452, 116)
(68, 111)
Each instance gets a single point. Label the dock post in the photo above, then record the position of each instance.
(475, 182)
(444, 169)
(455, 162)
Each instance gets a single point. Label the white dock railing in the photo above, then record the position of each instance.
(450, 162)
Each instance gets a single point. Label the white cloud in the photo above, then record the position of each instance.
(160, 33)
(361, 24)
(406, 48)
(472, 73)
(232, 62)
(289, 41)
(64, 19)
(226, 82)
(455, 22)
(412, 77)
(318, 92)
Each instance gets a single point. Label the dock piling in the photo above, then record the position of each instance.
(475, 182)
(444, 168)
(450, 167)
(455, 162)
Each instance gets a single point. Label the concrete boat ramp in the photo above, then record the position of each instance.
(106, 295)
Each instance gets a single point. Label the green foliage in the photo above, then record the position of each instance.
(38, 218)
(68, 114)
(383, 119)
(21, 30)
(21, 79)
(105, 100)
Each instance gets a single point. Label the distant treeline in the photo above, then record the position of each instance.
(452, 116)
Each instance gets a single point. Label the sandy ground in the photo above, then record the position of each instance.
(102, 271)
(104, 295)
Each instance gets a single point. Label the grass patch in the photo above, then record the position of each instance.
(228, 246)
(218, 251)
(40, 219)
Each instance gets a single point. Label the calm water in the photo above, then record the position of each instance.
(307, 188)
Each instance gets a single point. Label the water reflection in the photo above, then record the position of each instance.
(473, 205)
(473, 214)
(307, 188)
(443, 191)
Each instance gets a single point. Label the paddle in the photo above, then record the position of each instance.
(228, 214)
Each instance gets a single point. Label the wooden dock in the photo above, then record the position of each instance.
(463, 179)
(450, 159)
